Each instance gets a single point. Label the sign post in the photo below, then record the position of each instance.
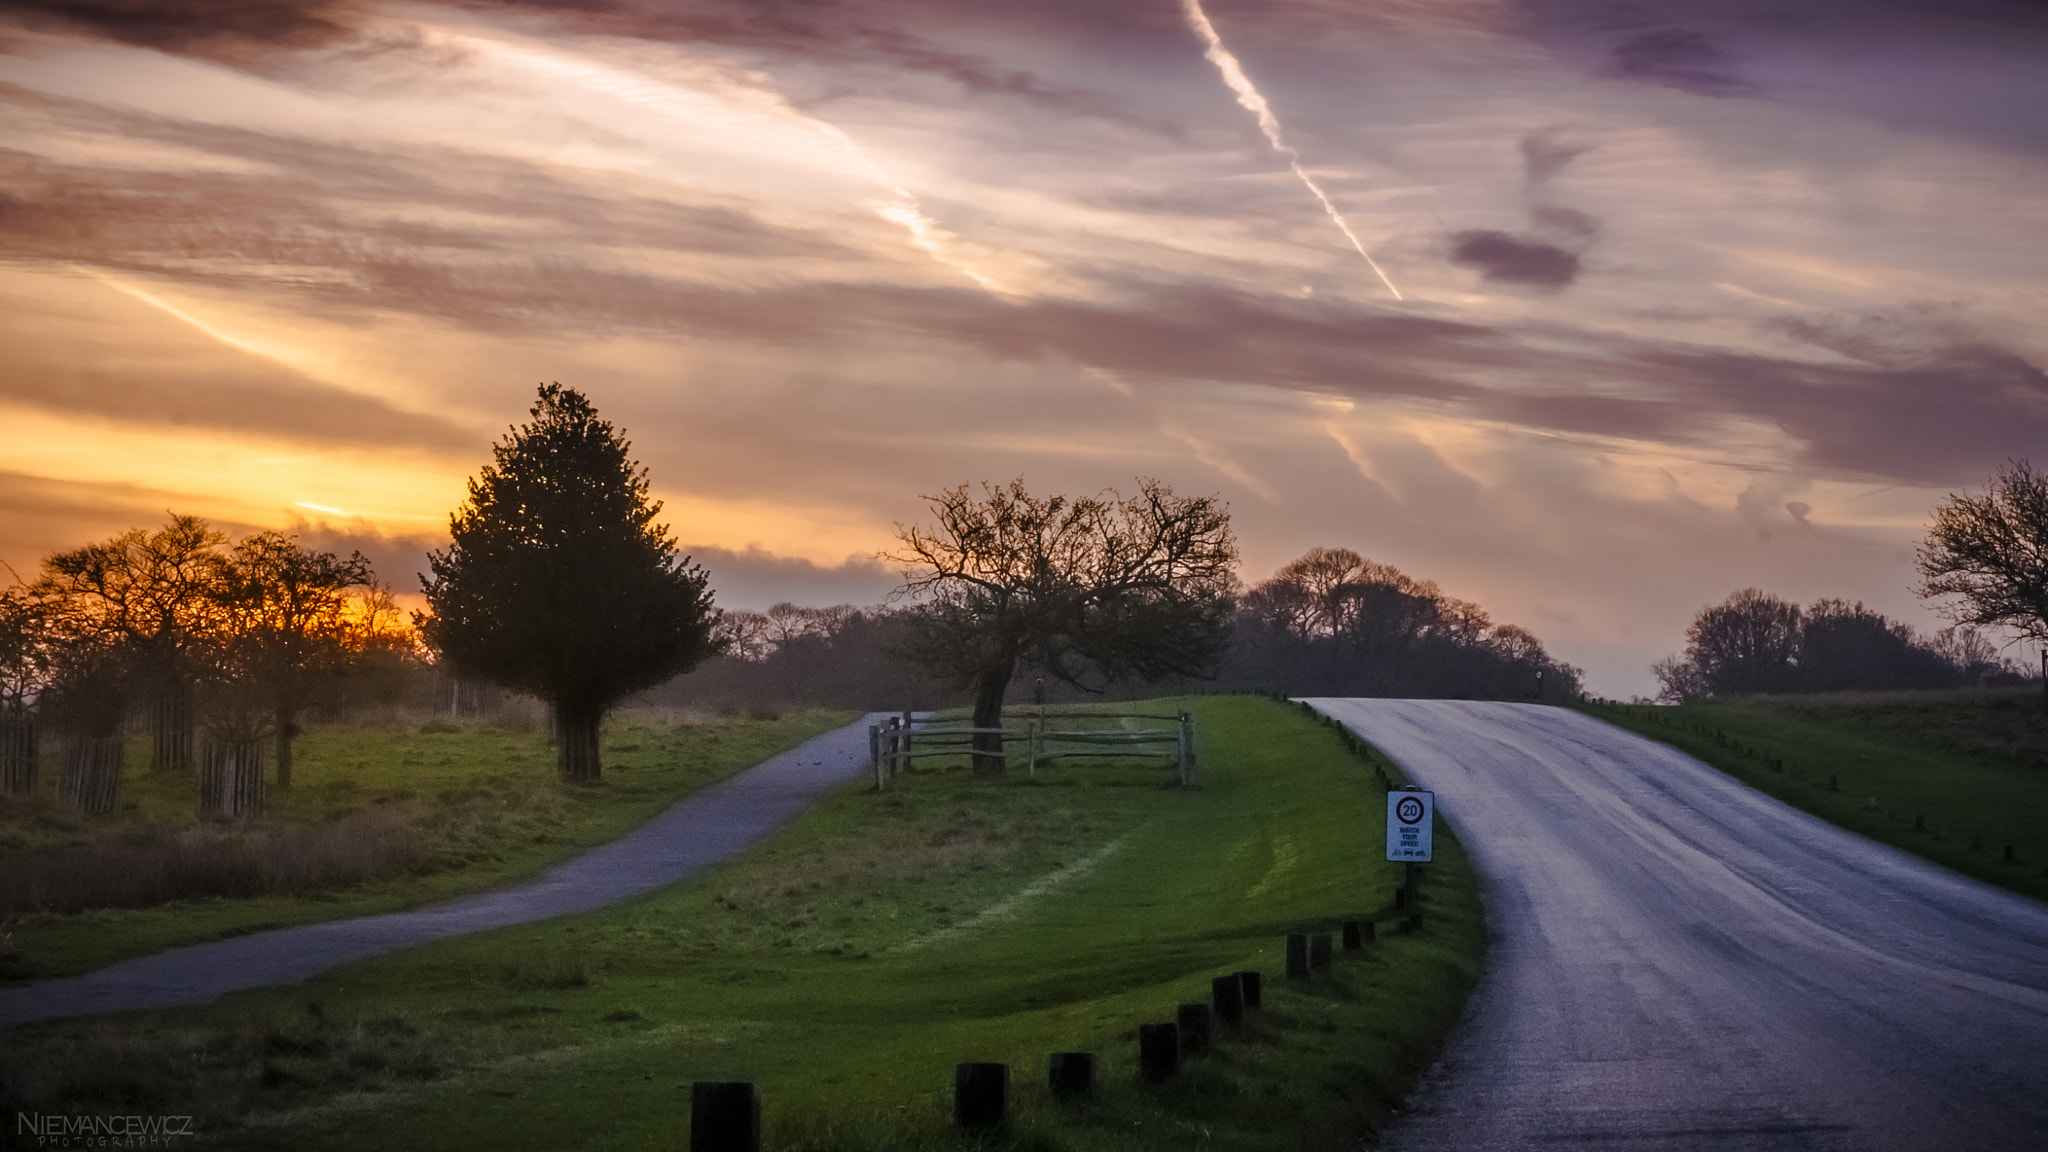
(1411, 817)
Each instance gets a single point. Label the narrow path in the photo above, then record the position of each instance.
(1679, 962)
(696, 832)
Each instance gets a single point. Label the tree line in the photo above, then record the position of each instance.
(1983, 564)
(200, 634)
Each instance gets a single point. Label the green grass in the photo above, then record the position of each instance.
(846, 965)
(484, 802)
(1957, 777)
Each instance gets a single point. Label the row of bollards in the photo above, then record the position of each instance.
(726, 1116)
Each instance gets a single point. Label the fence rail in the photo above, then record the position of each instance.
(893, 746)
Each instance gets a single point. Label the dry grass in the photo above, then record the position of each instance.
(157, 864)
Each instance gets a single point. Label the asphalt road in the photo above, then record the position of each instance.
(690, 836)
(1679, 962)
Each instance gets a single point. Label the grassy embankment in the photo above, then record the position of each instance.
(1960, 778)
(380, 818)
(845, 966)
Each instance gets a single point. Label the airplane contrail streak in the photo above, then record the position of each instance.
(1248, 96)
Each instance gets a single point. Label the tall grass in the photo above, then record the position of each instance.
(162, 863)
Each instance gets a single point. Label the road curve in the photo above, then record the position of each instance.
(1680, 962)
(696, 832)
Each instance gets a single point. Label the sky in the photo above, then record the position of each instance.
(1592, 312)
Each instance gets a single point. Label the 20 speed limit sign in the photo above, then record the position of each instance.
(1410, 816)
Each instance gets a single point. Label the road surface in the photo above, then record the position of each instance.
(1680, 962)
(695, 833)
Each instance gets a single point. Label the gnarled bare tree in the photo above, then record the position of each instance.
(1104, 585)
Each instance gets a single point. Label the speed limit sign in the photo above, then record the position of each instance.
(1410, 816)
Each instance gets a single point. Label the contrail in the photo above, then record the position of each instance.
(1247, 95)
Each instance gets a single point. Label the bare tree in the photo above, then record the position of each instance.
(1986, 557)
(1097, 584)
(151, 596)
(288, 612)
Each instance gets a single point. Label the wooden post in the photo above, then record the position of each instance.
(1297, 955)
(1193, 1019)
(1249, 984)
(980, 1095)
(1357, 934)
(1226, 996)
(1187, 750)
(725, 1116)
(1158, 1050)
(875, 753)
(1319, 953)
(1071, 1075)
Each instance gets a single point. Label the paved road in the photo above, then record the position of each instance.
(694, 834)
(1679, 962)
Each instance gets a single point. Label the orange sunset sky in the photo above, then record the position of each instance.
(1692, 295)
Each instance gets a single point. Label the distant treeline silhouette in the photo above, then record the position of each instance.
(1754, 642)
(1330, 623)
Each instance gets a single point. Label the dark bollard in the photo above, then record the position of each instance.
(1400, 899)
(1194, 1029)
(1248, 983)
(1319, 952)
(1226, 996)
(1072, 1075)
(1297, 955)
(1357, 934)
(979, 1093)
(1158, 1050)
(725, 1116)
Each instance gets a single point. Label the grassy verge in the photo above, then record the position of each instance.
(849, 962)
(1959, 778)
(477, 806)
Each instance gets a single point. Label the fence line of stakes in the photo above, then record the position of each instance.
(725, 1116)
(892, 746)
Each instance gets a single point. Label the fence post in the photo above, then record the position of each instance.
(18, 752)
(980, 1094)
(1072, 1075)
(1226, 996)
(1297, 955)
(92, 779)
(1187, 751)
(875, 753)
(1249, 983)
(1158, 1050)
(725, 1116)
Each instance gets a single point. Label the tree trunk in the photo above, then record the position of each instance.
(989, 689)
(172, 725)
(285, 731)
(18, 753)
(576, 755)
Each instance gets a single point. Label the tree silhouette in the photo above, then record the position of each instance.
(287, 611)
(560, 584)
(1100, 584)
(142, 605)
(1987, 556)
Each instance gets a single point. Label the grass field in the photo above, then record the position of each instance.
(462, 806)
(846, 965)
(1960, 778)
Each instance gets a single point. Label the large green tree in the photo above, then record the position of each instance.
(559, 582)
(1102, 585)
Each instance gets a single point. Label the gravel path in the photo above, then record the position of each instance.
(1680, 962)
(697, 832)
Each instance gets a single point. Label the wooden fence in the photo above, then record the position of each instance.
(19, 753)
(905, 738)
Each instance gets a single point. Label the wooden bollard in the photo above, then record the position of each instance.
(1319, 952)
(1226, 996)
(1357, 934)
(1248, 983)
(1158, 1050)
(725, 1116)
(1297, 955)
(1071, 1075)
(980, 1092)
(1193, 1019)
